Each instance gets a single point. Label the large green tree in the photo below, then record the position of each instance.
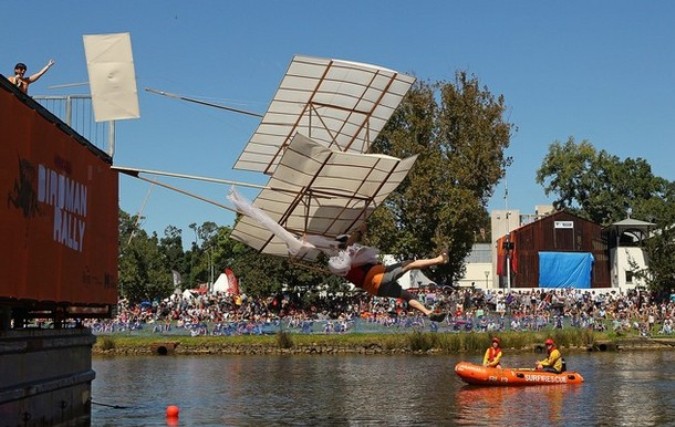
(200, 257)
(171, 249)
(596, 184)
(605, 189)
(143, 270)
(460, 135)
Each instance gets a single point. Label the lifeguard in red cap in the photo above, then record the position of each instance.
(493, 354)
(554, 361)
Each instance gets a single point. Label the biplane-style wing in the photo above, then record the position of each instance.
(338, 104)
(312, 142)
(318, 190)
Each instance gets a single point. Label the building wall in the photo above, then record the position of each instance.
(46, 377)
(622, 276)
(478, 273)
(558, 232)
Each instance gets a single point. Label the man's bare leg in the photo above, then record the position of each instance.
(419, 307)
(419, 264)
(434, 317)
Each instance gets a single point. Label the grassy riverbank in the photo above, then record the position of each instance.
(399, 343)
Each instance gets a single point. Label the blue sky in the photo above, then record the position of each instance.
(603, 71)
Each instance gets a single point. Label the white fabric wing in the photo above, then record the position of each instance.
(295, 245)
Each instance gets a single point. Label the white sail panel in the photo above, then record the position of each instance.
(339, 104)
(320, 191)
(112, 76)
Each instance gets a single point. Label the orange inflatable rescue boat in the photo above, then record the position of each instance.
(483, 375)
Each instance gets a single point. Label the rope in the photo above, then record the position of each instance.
(111, 406)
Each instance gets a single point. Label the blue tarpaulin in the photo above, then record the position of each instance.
(565, 269)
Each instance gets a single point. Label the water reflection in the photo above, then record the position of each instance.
(641, 387)
(538, 405)
(633, 389)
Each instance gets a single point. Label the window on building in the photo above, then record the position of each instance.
(629, 277)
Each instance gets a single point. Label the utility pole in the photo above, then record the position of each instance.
(508, 252)
(209, 266)
(508, 235)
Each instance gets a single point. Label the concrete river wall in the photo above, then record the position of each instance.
(45, 377)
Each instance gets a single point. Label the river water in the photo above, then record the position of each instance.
(621, 389)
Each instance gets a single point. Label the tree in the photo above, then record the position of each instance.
(601, 187)
(171, 248)
(259, 275)
(143, 273)
(660, 247)
(460, 136)
(200, 256)
(263, 275)
(596, 185)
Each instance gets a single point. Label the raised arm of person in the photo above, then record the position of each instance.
(40, 73)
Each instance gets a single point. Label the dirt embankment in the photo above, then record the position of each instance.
(162, 348)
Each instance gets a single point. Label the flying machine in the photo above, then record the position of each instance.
(313, 142)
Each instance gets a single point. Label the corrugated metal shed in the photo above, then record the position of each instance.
(558, 232)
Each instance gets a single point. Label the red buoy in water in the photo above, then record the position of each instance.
(172, 411)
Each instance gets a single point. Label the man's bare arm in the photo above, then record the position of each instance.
(40, 73)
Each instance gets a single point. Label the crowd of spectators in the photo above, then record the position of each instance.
(470, 309)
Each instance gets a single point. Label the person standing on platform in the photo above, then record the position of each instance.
(21, 81)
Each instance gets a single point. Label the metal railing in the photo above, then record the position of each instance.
(78, 113)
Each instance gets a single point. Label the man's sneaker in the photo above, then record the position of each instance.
(437, 317)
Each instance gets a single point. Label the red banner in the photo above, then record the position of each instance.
(233, 282)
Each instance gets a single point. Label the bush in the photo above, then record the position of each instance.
(451, 343)
(106, 343)
(284, 340)
(420, 341)
(474, 342)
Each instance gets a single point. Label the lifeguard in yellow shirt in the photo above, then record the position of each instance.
(493, 354)
(554, 361)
